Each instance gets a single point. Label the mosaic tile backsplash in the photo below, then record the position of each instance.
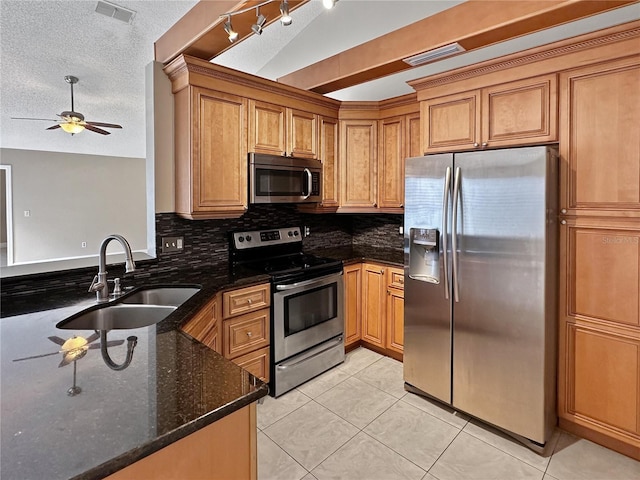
(206, 242)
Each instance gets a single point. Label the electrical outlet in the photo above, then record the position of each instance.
(83, 244)
(400, 230)
(172, 244)
(27, 213)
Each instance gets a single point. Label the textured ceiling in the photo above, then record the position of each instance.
(42, 41)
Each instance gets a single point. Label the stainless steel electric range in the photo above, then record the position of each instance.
(307, 303)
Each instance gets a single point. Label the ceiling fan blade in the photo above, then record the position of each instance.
(35, 356)
(93, 337)
(53, 127)
(31, 118)
(102, 124)
(57, 340)
(96, 129)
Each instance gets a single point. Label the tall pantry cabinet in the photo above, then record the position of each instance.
(599, 349)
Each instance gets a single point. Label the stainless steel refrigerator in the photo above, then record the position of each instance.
(480, 240)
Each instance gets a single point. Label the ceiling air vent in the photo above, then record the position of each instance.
(115, 11)
(434, 54)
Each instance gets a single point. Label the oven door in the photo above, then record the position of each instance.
(306, 314)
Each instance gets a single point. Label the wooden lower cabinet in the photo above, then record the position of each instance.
(374, 308)
(599, 347)
(352, 304)
(256, 363)
(373, 305)
(225, 450)
(204, 325)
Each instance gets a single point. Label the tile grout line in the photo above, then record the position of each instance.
(287, 454)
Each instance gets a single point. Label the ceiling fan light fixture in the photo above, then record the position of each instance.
(285, 18)
(71, 127)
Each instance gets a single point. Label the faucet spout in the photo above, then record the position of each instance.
(99, 284)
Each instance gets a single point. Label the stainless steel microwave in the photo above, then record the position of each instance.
(275, 179)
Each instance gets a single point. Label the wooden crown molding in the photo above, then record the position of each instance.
(557, 49)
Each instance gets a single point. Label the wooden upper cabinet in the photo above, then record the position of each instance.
(600, 147)
(451, 122)
(358, 161)
(302, 134)
(391, 154)
(267, 128)
(279, 130)
(413, 145)
(329, 156)
(211, 154)
(517, 113)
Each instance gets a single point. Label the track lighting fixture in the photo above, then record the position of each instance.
(260, 21)
(285, 18)
(233, 35)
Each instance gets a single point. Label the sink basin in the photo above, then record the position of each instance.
(117, 317)
(165, 296)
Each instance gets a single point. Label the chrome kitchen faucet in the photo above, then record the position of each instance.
(99, 283)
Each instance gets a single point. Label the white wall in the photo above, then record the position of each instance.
(74, 198)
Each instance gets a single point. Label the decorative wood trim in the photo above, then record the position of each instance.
(629, 446)
(556, 49)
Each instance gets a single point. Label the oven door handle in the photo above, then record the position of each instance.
(334, 343)
(307, 282)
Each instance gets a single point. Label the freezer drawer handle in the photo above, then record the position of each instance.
(445, 222)
(454, 234)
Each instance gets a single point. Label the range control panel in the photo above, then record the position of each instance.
(262, 238)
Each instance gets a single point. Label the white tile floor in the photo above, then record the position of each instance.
(357, 422)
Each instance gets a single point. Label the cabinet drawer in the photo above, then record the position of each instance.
(246, 333)
(396, 278)
(256, 363)
(244, 300)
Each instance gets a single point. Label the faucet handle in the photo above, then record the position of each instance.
(117, 291)
(94, 284)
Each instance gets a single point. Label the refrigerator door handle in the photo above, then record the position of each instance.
(454, 234)
(445, 221)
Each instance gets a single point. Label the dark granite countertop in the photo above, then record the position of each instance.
(119, 417)
(173, 387)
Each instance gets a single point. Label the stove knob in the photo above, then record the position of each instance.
(241, 239)
(290, 233)
(296, 233)
(248, 238)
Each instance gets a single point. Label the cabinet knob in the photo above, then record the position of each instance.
(563, 222)
(249, 334)
(249, 301)
(375, 205)
(564, 210)
(382, 271)
(476, 144)
(484, 144)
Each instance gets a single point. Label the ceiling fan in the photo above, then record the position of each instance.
(73, 122)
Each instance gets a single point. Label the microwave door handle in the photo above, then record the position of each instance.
(309, 183)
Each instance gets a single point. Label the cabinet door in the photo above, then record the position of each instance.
(451, 122)
(256, 363)
(219, 154)
(204, 325)
(373, 305)
(600, 148)
(302, 134)
(391, 154)
(329, 158)
(246, 333)
(522, 112)
(413, 145)
(352, 303)
(358, 148)
(395, 320)
(267, 128)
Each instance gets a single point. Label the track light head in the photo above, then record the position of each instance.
(260, 21)
(285, 19)
(329, 4)
(233, 35)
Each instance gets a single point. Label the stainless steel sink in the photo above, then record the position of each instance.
(117, 317)
(166, 296)
(141, 308)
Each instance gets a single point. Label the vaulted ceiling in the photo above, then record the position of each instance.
(42, 41)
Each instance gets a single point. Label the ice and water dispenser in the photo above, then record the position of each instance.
(424, 255)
